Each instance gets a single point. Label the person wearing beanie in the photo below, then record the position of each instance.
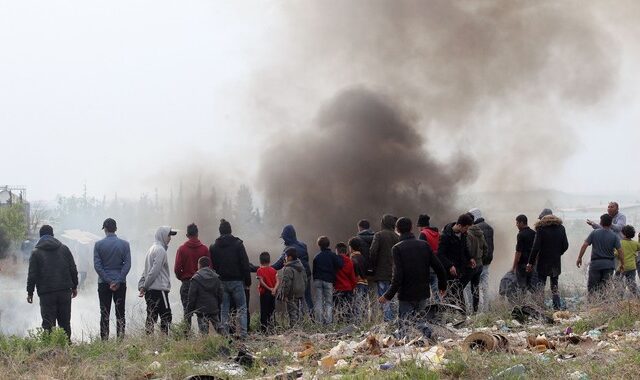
(229, 259)
(487, 231)
(186, 266)
(53, 273)
(112, 262)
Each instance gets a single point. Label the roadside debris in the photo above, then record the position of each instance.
(486, 342)
(515, 372)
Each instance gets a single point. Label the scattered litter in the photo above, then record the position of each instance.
(524, 313)
(515, 372)
(565, 357)
(343, 350)
(290, 373)
(244, 358)
(327, 363)
(578, 375)
(342, 364)
(307, 351)
(387, 366)
(595, 334)
(486, 342)
(230, 369)
(540, 343)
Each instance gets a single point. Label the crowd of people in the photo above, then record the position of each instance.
(401, 271)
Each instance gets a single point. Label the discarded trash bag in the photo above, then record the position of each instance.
(523, 313)
(486, 342)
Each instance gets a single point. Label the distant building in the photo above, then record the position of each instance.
(11, 195)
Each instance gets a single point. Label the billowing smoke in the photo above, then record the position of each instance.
(495, 86)
(363, 157)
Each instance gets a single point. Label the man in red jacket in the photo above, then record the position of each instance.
(345, 284)
(187, 265)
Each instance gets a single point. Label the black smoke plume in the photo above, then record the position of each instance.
(363, 158)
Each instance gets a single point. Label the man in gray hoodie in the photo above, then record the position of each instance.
(154, 285)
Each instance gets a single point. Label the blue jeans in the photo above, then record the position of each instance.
(234, 290)
(410, 314)
(433, 284)
(323, 302)
(484, 289)
(387, 308)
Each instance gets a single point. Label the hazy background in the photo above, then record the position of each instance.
(157, 112)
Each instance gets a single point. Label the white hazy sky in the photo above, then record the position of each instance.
(118, 94)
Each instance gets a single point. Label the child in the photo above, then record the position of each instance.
(205, 296)
(325, 265)
(345, 283)
(268, 283)
(630, 249)
(362, 287)
(291, 288)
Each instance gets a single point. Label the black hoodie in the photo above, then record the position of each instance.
(453, 250)
(229, 259)
(51, 267)
(205, 292)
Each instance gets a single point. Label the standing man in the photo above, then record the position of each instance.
(230, 261)
(487, 230)
(524, 243)
(186, 266)
(549, 245)
(155, 283)
(382, 260)
(618, 220)
(412, 261)
(53, 272)
(112, 262)
(456, 259)
(432, 236)
(478, 249)
(603, 241)
(290, 240)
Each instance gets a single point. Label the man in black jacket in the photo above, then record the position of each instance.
(412, 260)
(205, 296)
(53, 272)
(230, 261)
(549, 244)
(456, 259)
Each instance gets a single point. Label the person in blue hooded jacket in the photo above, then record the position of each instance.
(290, 239)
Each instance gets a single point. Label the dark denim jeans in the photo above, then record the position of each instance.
(410, 315)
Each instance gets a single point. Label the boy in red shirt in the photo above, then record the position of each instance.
(345, 284)
(268, 283)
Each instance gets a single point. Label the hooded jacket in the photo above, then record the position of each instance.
(366, 238)
(380, 252)
(187, 257)
(453, 250)
(51, 267)
(205, 292)
(412, 261)
(293, 281)
(291, 240)
(478, 248)
(346, 277)
(229, 259)
(156, 265)
(549, 245)
(432, 236)
(487, 230)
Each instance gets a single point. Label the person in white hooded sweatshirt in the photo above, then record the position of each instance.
(154, 285)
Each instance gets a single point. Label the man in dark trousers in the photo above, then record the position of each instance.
(524, 243)
(456, 258)
(186, 266)
(549, 245)
(53, 272)
(487, 231)
(205, 296)
(112, 262)
(604, 242)
(412, 261)
(230, 261)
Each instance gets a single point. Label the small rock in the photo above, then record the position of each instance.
(155, 366)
